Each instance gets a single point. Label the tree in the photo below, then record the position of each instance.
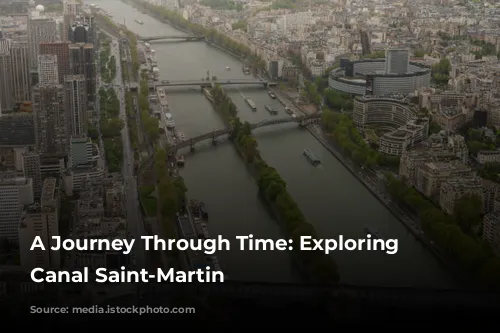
(467, 211)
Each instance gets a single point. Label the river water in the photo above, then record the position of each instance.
(330, 197)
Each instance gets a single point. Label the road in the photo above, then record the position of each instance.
(135, 223)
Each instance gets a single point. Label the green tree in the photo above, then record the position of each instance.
(467, 211)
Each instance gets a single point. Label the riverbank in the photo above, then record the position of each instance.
(317, 266)
(212, 36)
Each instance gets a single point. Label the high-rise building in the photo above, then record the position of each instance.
(50, 119)
(41, 220)
(20, 74)
(397, 61)
(71, 9)
(15, 193)
(47, 70)
(31, 169)
(82, 62)
(5, 81)
(80, 151)
(75, 105)
(61, 50)
(83, 30)
(40, 30)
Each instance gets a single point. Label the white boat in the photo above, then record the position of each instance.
(156, 72)
(228, 68)
(162, 96)
(170, 122)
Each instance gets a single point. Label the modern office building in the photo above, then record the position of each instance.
(48, 75)
(75, 105)
(17, 130)
(49, 111)
(61, 50)
(31, 169)
(82, 62)
(370, 77)
(397, 61)
(6, 101)
(42, 220)
(15, 193)
(20, 77)
(40, 30)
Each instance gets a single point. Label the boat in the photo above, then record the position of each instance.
(197, 209)
(162, 96)
(180, 160)
(228, 68)
(251, 104)
(311, 157)
(170, 122)
(288, 110)
(271, 94)
(374, 233)
(246, 70)
(156, 73)
(271, 110)
(139, 21)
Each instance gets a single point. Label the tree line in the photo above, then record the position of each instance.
(319, 267)
(212, 35)
(452, 233)
(111, 126)
(149, 123)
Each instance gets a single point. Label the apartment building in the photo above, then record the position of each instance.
(491, 229)
(431, 175)
(40, 30)
(47, 70)
(15, 193)
(488, 156)
(61, 51)
(75, 105)
(42, 220)
(490, 195)
(452, 189)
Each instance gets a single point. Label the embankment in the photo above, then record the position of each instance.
(316, 266)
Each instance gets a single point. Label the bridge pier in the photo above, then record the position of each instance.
(191, 146)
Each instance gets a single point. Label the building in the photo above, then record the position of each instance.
(491, 229)
(31, 169)
(41, 220)
(490, 195)
(369, 77)
(115, 200)
(47, 70)
(397, 61)
(75, 105)
(6, 101)
(83, 30)
(405, 137)
(15, 193)
(20, 73)
(488, 156)
(61, 50)
(40, 30)
(381, 110)
(50, 119)
(82, 62)
(452, 118)
(431, 175)
(80, 151)
(455, 188)
(17, 130)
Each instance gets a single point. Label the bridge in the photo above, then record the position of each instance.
(301, 120)
(208, 83)
(179, 38)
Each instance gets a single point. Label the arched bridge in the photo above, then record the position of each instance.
(301, 120)
(186, 38)
(208, 83)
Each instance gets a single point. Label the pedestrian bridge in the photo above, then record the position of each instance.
(177, 38)
(208, 83)
(301, 120)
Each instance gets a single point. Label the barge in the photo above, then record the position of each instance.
(271, 110)
(311, 157)
(251, 104)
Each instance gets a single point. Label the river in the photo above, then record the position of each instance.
(331, 198)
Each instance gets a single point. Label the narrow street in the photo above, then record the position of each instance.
(135, 223)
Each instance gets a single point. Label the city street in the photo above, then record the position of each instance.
(135, 224)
